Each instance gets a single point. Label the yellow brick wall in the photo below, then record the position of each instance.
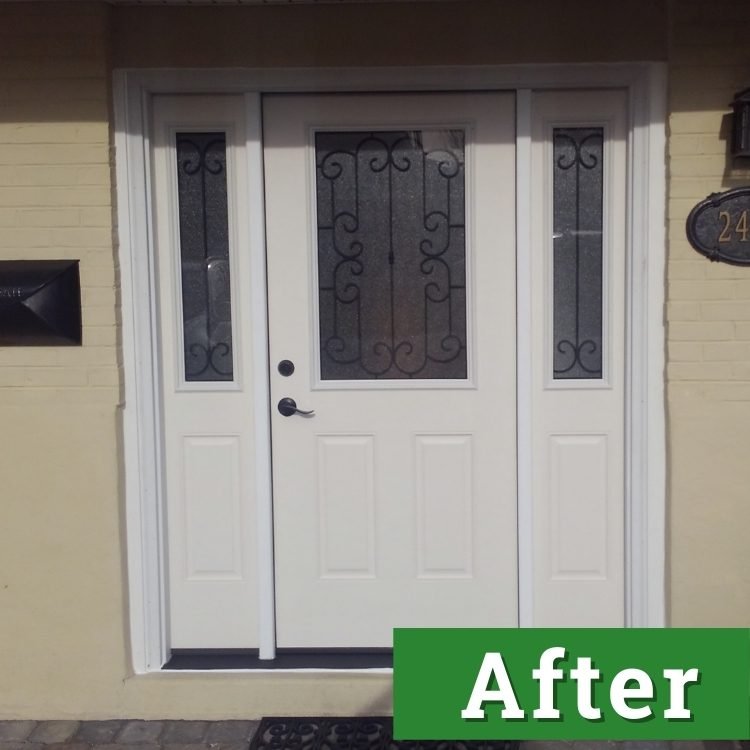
(61, 575)
(56, 187)
(708, 315)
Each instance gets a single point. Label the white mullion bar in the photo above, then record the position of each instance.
(523, 359)
(261, 395)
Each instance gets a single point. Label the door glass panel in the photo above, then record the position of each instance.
(577, 264)
(204, 256)
(391, 254)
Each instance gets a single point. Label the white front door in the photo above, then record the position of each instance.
(395, 310)
(391, 300)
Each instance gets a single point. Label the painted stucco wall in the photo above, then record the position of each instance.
(63, 608)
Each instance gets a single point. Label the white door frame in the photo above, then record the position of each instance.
(645, 459)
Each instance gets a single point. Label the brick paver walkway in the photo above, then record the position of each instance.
(126, 735)
(229, 735)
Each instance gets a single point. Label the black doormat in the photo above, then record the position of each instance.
(344, 733)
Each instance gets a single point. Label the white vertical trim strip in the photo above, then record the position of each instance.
(143, 513)
(523, 359)
(645, 451)
(153, 450)
(655, 463)
(261, 394)
(634, 269)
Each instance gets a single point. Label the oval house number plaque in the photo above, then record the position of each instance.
(719, 226)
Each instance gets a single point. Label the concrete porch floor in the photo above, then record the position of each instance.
(122, 734)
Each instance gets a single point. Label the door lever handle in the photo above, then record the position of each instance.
(288, 406)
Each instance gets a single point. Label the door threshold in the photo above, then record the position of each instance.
(286, 658)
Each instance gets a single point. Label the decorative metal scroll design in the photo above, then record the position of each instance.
(391, 254)
(204, 253)
(578, 252)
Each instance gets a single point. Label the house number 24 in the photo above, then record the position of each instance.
(741, 227)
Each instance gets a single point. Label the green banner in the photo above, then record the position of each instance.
(577, 684)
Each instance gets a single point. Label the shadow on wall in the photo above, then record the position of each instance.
(57, 59)
(417, 33)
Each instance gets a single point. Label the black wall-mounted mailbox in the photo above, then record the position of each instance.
(40, 303)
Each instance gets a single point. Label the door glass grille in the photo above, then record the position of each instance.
(204, 256)
(577, 261)
(391, 254)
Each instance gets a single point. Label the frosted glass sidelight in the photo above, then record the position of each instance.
(577, 264)
(204, 256)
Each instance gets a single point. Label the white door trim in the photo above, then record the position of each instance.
(523, 357)
(645, 417)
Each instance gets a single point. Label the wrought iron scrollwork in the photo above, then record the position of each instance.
(577, 199)
(204, 250)
(391, 254)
